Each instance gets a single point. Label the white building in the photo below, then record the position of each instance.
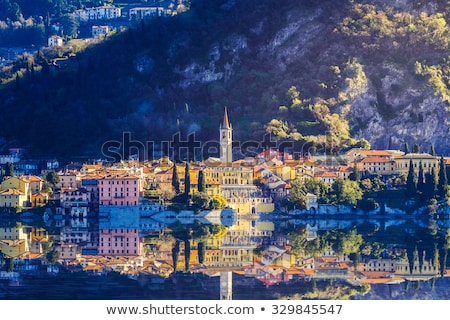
(149, 12)
(55, 41)
(98, 13)
(100, 31)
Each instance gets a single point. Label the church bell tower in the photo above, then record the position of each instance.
(226, 141)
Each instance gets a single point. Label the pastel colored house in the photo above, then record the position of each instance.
(122, 190)
(120, 242)
(17, 183)
(11, 198)
(12, 248)
(68, 180)
(36, 183)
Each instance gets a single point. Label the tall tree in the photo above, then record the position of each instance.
(430, 184)
(187, 254)
(411, 187)
(9, 170)
(420, 179)
(187, 180)
(442, 182)
(201, 252)
(175, 179)
(175, 255)
(416, 148)
(432, 150)
(406, 148)
(201, 185)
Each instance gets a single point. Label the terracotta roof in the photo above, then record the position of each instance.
(373, 153)
(12, 191)
(375, 160)
(326, 174)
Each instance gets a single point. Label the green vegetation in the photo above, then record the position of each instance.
(141, 80)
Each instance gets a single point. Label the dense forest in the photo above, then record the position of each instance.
(324, 74)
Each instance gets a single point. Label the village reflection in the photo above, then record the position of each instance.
(220, 255)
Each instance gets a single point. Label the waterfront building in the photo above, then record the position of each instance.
(120, 189)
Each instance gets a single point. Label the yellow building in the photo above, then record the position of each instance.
(12, 248)
(428, 161)
(16, 233)
(39, 199)
(20, 184)
(235, 184)
(36, 183)
(11, 198)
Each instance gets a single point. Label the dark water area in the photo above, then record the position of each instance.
(425, 239)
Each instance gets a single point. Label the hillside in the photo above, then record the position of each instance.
(323, 73)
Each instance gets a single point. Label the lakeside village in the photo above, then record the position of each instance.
(135, 203)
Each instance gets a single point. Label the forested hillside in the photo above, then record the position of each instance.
(317, 72)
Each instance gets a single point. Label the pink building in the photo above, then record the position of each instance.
(119, 242)
(120, 190)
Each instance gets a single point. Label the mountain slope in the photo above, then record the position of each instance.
(321, 73)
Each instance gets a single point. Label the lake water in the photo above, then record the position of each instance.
(421, 238)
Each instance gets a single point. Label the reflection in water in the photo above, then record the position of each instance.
(157, 254)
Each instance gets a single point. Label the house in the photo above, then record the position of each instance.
(270, 154)
(68, 179)
(12, 248)
(36, 183)
(55, 41)
(67, 251)
(120, 189)
(106, 12)
(39, 199)
(328, 177)
(377, 166)
(428, 162)
(344, 172)
(11, 198)
(100, 31)
(148, 12)
(16, 183)
(120, 242)
(74, 197)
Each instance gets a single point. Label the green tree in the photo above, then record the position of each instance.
(432, 150)
(442, 181)
(355, 174)
(406, 148)
(201, 252)
(69, 25)
(175, 179)
(411, 187)
(430, 185)
(9, 264)
(175, 255)
(416, 148)
(187, 254)
(52, 256)
(297, 195)
(421, 179)
(347, 191)
(201, 201)
(187, 181)
(9, 170)
(52, 177)
(201, 184)
(298, 240)
(218, 202)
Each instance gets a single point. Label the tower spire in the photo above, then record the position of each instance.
(226, 140)
(226, 124)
